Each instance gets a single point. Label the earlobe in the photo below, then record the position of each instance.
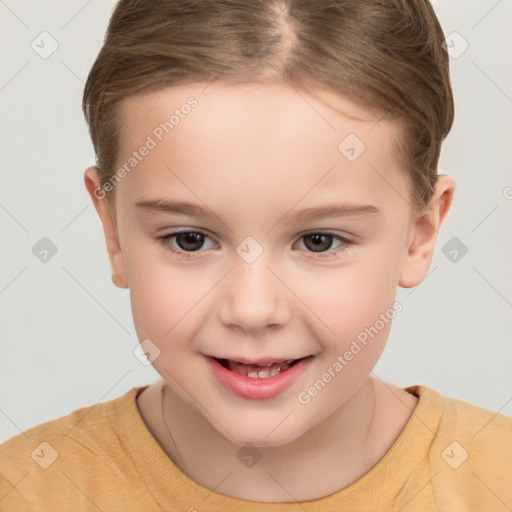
(423, 234)
(92, 184)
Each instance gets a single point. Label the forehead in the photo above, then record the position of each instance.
(244, 137)
(221, 104)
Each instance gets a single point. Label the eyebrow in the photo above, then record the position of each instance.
(193, 210)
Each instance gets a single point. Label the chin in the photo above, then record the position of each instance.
(266, 435)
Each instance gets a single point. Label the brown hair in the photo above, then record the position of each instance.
(386, 55)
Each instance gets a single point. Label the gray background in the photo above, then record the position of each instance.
(67, 336)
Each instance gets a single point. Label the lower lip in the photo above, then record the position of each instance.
(254, 388)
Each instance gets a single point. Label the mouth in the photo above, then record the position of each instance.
(258, 380)
(262, 370)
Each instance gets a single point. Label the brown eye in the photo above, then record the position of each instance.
(318, 242)
(189, 240)
(321, 244)
(185, 243)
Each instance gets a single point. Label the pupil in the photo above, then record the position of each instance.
(321, 242)
(190, 241)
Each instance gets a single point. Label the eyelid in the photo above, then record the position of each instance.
(178, 231)
(342, 234)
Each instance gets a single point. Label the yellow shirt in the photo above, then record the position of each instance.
(451, 456)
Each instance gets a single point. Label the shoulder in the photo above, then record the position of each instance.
(470, 456)
(466, 420)
(476, 429)
(478, 426)
(75, 430)
(39, 461)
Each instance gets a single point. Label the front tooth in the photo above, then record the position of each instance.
(275, 370)
(264, 372)
(252, 373)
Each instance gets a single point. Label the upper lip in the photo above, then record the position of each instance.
(260, 361)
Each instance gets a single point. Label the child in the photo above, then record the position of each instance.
(266, 178)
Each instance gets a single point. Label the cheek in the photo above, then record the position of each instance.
(164, 298)
(360, 311)
(165, 309)
(351, 299)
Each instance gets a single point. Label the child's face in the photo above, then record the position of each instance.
(257, 155)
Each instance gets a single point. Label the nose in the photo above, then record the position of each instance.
(253, 297)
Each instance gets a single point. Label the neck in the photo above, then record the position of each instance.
(334, 454)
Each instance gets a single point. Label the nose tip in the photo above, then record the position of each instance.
(252, 298)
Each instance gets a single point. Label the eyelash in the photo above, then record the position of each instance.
(164, 241)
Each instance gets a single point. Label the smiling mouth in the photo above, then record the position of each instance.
(258, 371)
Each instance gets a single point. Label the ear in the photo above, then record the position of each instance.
(423, 234)
(92, 183)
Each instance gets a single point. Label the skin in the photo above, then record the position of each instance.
(254, 153)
